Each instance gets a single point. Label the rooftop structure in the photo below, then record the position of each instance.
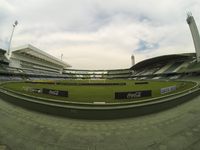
(132, 60)
(30, 57)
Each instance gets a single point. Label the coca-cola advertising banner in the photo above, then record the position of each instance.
(55, 92)
(132, 94)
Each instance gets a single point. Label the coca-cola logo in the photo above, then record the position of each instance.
(53, 92)
(132, 94)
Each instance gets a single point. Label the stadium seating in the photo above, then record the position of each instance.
(97, 74)
(169, 66)
(173, 67)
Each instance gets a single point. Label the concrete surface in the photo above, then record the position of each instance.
(174, 129)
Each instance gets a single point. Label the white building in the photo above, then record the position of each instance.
(132, 60)
(31, 59)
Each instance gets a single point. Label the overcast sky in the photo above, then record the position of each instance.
(100, 34)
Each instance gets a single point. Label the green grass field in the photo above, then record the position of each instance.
(100, 93)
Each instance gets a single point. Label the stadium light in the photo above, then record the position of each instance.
(14, 25)
(195, 34)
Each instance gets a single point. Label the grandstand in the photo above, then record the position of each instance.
(28, 62)
(84, 74)
(163, 66)
(97, 74)
(153, 68)
(3, 60)
(30, 59)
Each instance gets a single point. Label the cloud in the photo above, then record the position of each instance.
(99, 34)
(143, 46)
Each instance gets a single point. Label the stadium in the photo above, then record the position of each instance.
(52, 106)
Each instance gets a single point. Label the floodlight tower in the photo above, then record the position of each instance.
(132, 60)
(195, 34)
(14, 25)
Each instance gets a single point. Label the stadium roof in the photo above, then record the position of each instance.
(161, 59)
(29, 50)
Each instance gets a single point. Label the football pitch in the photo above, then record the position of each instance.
(98, 91)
